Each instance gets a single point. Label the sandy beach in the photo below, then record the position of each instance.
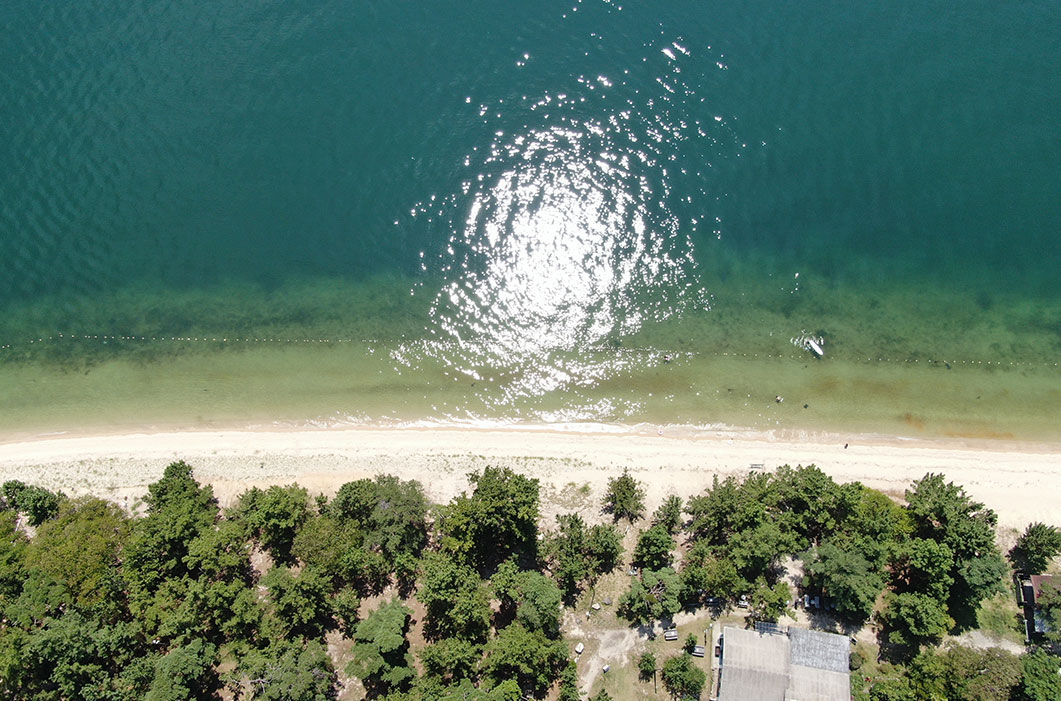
(1018, 480)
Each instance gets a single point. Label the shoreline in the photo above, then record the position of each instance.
(572, 461)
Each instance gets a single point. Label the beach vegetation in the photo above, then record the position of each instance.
(1036, 547)
(669, 514)
(274, 516)
(37, 503)
(625, 497)
(498, 520)
(191, 601)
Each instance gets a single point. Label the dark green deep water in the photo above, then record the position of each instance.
(538, 211)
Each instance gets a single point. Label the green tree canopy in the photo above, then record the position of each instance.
(1036, 547)
(37, 503)
(274, 516)
(185, 672)
(530, 658)
(178, 511)
(451, 659)
(1040, 676)
(943, 512)
(625, 497)
(285, 670)
(653, 596)
(646, 665)
(389, 511)
(914, 618)
(80, 548)
(682, 678)
(301, 602)
(669, 514)
(381, 656)
(654, 548)
(455, 598)
(705, 574)
(769, 603)
(498, 520)
(577, 554)
(846, 577)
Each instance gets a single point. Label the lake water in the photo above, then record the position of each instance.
(564, 212)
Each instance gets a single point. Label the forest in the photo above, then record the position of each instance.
(179, 598)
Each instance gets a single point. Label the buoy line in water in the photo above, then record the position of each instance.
(107, 338)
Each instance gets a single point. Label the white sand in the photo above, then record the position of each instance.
(1020, 481)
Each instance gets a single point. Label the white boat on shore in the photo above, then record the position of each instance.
(814, 344)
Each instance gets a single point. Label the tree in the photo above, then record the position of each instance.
(498, 520)
(654, 547)
(73, 653)
(669, 514)
(755, 552)
(538, 604)
(730, 507)
(391, 512)
(1049, 602)
(706, 575)
(569, 683)
(577, 555)
(381, 656)
(924, 566)
(301, 602)
(683, 678)
(690, 643)
(943, 512)
(847, 577)
(770, 603)
(455, 598)
(811, 502)
(914, 618)
(1036, 547)
(530, 658)
(876, 523)
(602, 695)
(37, 503)
(1040, 676)
(646, 665)
(274, 516)
(185, 672)
(653, 596)
(179, 510)
(286, 669)
(625, 497)
(984, 675)
(12, 558)
(80, 547)
(451, 659)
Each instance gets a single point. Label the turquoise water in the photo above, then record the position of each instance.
(546, 203)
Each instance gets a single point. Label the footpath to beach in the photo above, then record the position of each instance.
(1020, 481)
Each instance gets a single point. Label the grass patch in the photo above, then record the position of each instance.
(1000, 618)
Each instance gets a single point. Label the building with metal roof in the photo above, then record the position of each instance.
(775, 664)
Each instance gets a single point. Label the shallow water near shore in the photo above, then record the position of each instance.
(562, 212)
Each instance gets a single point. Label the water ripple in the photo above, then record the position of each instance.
(573, 233)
